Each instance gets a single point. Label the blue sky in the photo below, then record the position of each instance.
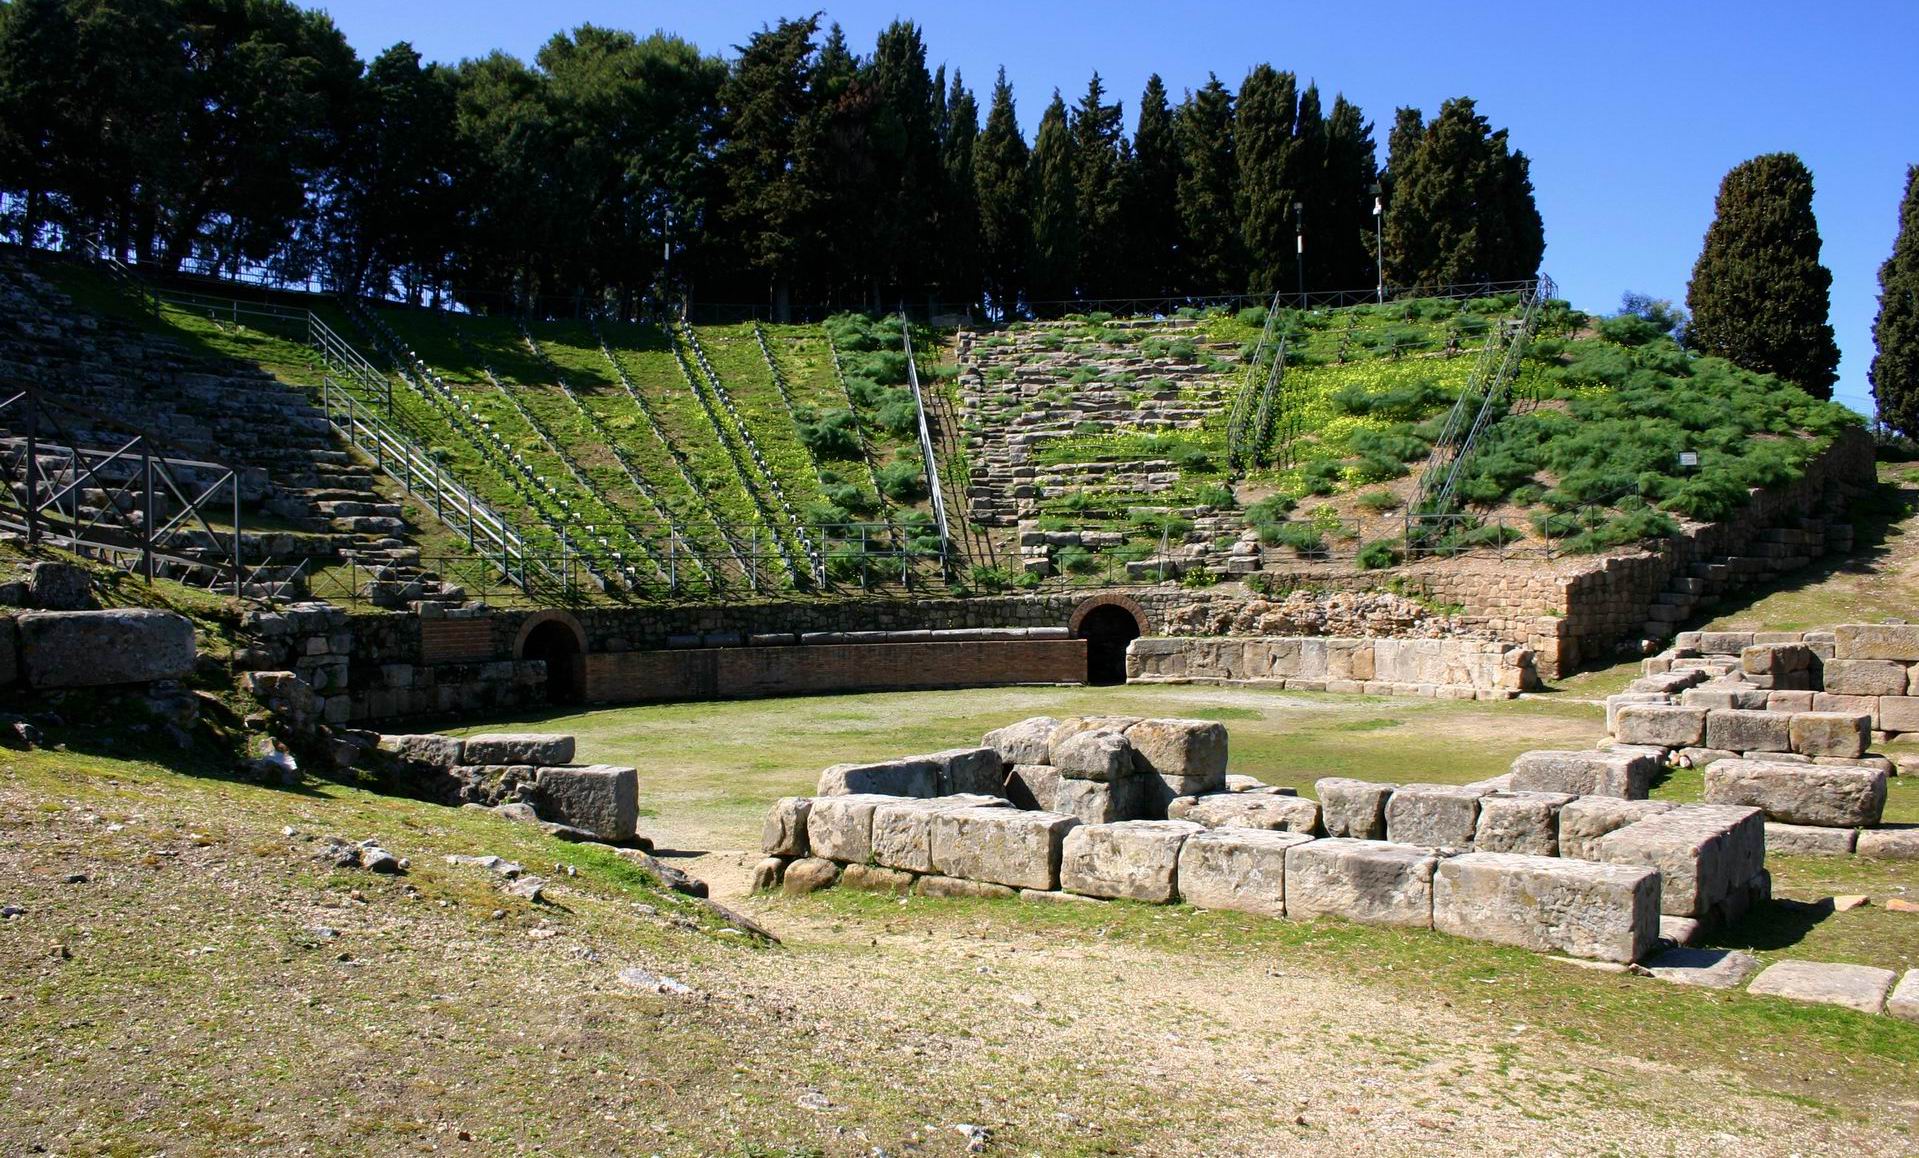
(1631, 115)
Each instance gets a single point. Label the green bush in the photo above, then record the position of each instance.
(1198, 577)
(833, 434)
(851, 498)
(1379, 502)
(1076, 560)
(1378, 554)
(1217, 497)
(903, 481)
(898, 416)
(1271, 509)
(1396, 442)
(989, 578)
(1322, 477)
(1406, 402)
(1304, 538)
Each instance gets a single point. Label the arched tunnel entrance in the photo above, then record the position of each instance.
(1107, 629)
(557, 641)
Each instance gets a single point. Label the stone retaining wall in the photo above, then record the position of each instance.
(731, 672)
(1444, 668)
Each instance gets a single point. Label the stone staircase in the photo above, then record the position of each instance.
(320, 506)
(1776, 551)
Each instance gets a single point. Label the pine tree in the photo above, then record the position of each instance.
(906, 162)
(1263, 139)
(1345, 237)
(1307, 177)
(1213, 258)
(1055, 254)
(1099, 171)
(1152, 198)
(771, 195)
(999, 180)
(1408, 248)
(1460, 207)
(959, 221)
(1759, 296)
(1895, 332)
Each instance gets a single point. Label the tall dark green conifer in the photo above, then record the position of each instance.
(1152, 198)
(1759, 296)
(1408, 247)
(1306, 175)
(1345, 237)
(1895, 332)
(1460, 204)
(1000, 182)
(1099, 171)
(769, 173)
(959, 223)
(1055, 213)
(1263, 140)
(1212, 255)
(906, 161)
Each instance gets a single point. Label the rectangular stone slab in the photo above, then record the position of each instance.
(519, 748)
(1353, 808)
(1809, 840)
(903, 830)
(1241, 869)
(1832, 796)
(914, 776)
(969, 770)
(1024, 742)
(1859, 987)
(1876, 641)
(1583, 821)
(1831, 733)
(1185, 749)
(1703, 853)
(1604, 912)
(1586, 772)
(1372, 882)
(1248, 810)
(841, 827)
(1433, 815)
(603, 799)
(784, 831)
(84, 649)
(1748, 731)
(1003, 846)
(1662, 726)
(1134, 860)
(1520, 822)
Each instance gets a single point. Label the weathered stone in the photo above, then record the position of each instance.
(1904, 1002)
(82, 649)
(425, 750)
(1620, 700)
(1704, 852)
(602, 799)
(1777, 701)
(1180, 749)
(1237, 783)
(1679, 930)
(1433, 815)
(1746, 731)
(1073, 725)
(1896, 842)
(915, 776)
(1520, 822)
(1134, 860)
(1605, 912)
(1242, 869)
(809, 875)
(1809, 840)
(903, 830)
(1821, 794)
(1096, 802)
(874, 879)
(1101, 756)
(1033, 786)
(970, 771)
(1248, 810)
(1897, 713)
(519, 748)
(1587, 772)
(1002, 846)
(1663, 726)
(784, 831)
(1704, 968)
(768, 873)
(1369, 881)
(1055, 898)
(57, 586)
(1865, 677)
(1741, 697)
(1353, 808)
(841, 827)
(958, 888)
(1023, 743)
(1859, 987)
(1831, 733)
(1876, 641)
(1724, 642)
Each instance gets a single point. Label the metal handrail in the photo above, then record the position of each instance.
(928, 459)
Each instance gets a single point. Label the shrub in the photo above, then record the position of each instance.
(1396, 442)
(1217, 497)
(1379, 502)
(1304, 538)
(898, 416)
(1198, 577)
(1271, 509)
(1076, 560)
(1410, 401)
(851, 498)
(834, 434)
(1378, 554)
(903, 481)
(1322, 477)
(989, 578)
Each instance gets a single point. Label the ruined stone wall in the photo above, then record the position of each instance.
(1442, 668)
(731, 672)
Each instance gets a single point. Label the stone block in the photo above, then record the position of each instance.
(1831, 733)
(841, 827)
(970, 770)
(83, 649)
(1661, 726)
(1353, 808)
(875, 879)
(903, 830)
(1003, 846)
(1809, 840)
(1248, 810)
(783, 833)
(1789, 701)
(1615, 702)
(1744, 697)
(1724, 642)
(1134, 860)
(1604, 912)
(1095, 802)
(58, 586)
(1704, 852)
(1520, 822)
(1876, 641)
(603, 799)
(1898, 713)
(1746, 731)
(914, 776)
(1865, 677)
(519, 748)
(425, 750)
(1589, 772)
(1433, 815)
(957, 888)
(1833, 796)
(1704, 968)
(809, 875)
(1372, 882)
(1859, 987)
(1904, 1002)
(1022, 743)
(1895, 842)
(1101, 756)
(1851, 705)
(1241, 869)
(1183, 750)
(768, 874)
(1073, 725)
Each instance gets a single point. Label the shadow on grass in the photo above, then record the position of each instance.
(1779, 925)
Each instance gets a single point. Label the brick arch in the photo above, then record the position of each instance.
(535, 620)
(1125, 603)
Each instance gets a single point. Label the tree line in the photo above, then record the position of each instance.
(617, 169)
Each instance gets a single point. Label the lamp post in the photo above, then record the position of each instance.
(1379, 238)
(1299, 224)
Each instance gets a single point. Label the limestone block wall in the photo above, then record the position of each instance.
(1443, 668)
(730, 672)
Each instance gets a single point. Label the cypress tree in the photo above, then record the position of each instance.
(1263, 140)
(1759, 296)
(1099, 170)
(1895, 332)
(1345, 237)
(840, 112)
(1152, 197)
(771, 198)
(1306, 175)
(999, 183)
(1460, 207)
(1055, 255)
(1408, 248)
(959, 209)
(906, 162)
(1212, 256)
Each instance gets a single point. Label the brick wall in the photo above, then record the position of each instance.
(731, 672)
(455, 640)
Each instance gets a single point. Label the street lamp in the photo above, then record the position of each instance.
(1379, 237)
(1299, 224)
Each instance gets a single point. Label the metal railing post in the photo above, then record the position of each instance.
(33, 467)
(146, 523)
(233, 480)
